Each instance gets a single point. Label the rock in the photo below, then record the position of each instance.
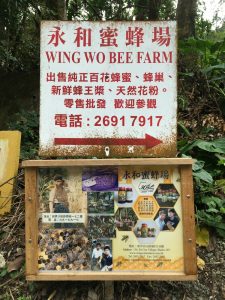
(16, 264)
(2, 261)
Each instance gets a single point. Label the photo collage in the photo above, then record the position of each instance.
(87, 214)
(76, 219)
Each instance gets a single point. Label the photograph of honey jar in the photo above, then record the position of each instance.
(125, 195)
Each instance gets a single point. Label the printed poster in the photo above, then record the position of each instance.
(110, 219)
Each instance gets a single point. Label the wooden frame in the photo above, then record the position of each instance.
(187, 200)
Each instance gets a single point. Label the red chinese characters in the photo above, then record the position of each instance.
(108, 37)
(134, 36)
(82, 37)
(56, 36)
(128, 78)
(161, 35)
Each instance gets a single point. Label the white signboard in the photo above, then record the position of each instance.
(108, 89)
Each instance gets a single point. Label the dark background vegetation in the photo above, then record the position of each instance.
(201, 96)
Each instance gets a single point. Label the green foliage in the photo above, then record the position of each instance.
(100, 10)
(202, 27)
(3, 272)
(209, 176)
(27, 122)
(202, 73)
(217, 146)
(167, 10)
(202, 66)
(20, 32)
(209, 53)
(18, 48)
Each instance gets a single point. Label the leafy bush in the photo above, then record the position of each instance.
(201, 97)
(209, 176)
(202, 70)
(27, 122)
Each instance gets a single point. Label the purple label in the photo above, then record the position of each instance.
(100, 179)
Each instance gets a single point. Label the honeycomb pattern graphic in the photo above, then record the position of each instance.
(146, 231)
(167, 219)
(166, 195)
(146, 207)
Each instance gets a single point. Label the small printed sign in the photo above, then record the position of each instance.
(108, 89)
(63, 218)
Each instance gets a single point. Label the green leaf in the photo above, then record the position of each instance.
(222, 210)
(3, 272)
(181, 143)
(220, 45)
(185, 130)
(217, 78)
(190, 74)
(217, 225)
(221, 160)
(213, 210)
(203, 175)
(14, 274)
(213, 201)
(217, 146)
(198, 165)
(221, 232)
(216, 67)
(211, 146)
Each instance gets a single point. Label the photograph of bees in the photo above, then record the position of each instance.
(110, 219)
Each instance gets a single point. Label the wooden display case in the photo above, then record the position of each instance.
(184, 167)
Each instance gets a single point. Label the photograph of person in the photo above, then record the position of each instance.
(58, 200)
(160, 220)
(171, 221)
(96, 257)
(58, 196)
(107, 260)
(101, 257)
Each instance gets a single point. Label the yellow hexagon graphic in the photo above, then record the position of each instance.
(146, 207)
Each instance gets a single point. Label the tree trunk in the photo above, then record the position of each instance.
(186, 14)
(61, 10)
